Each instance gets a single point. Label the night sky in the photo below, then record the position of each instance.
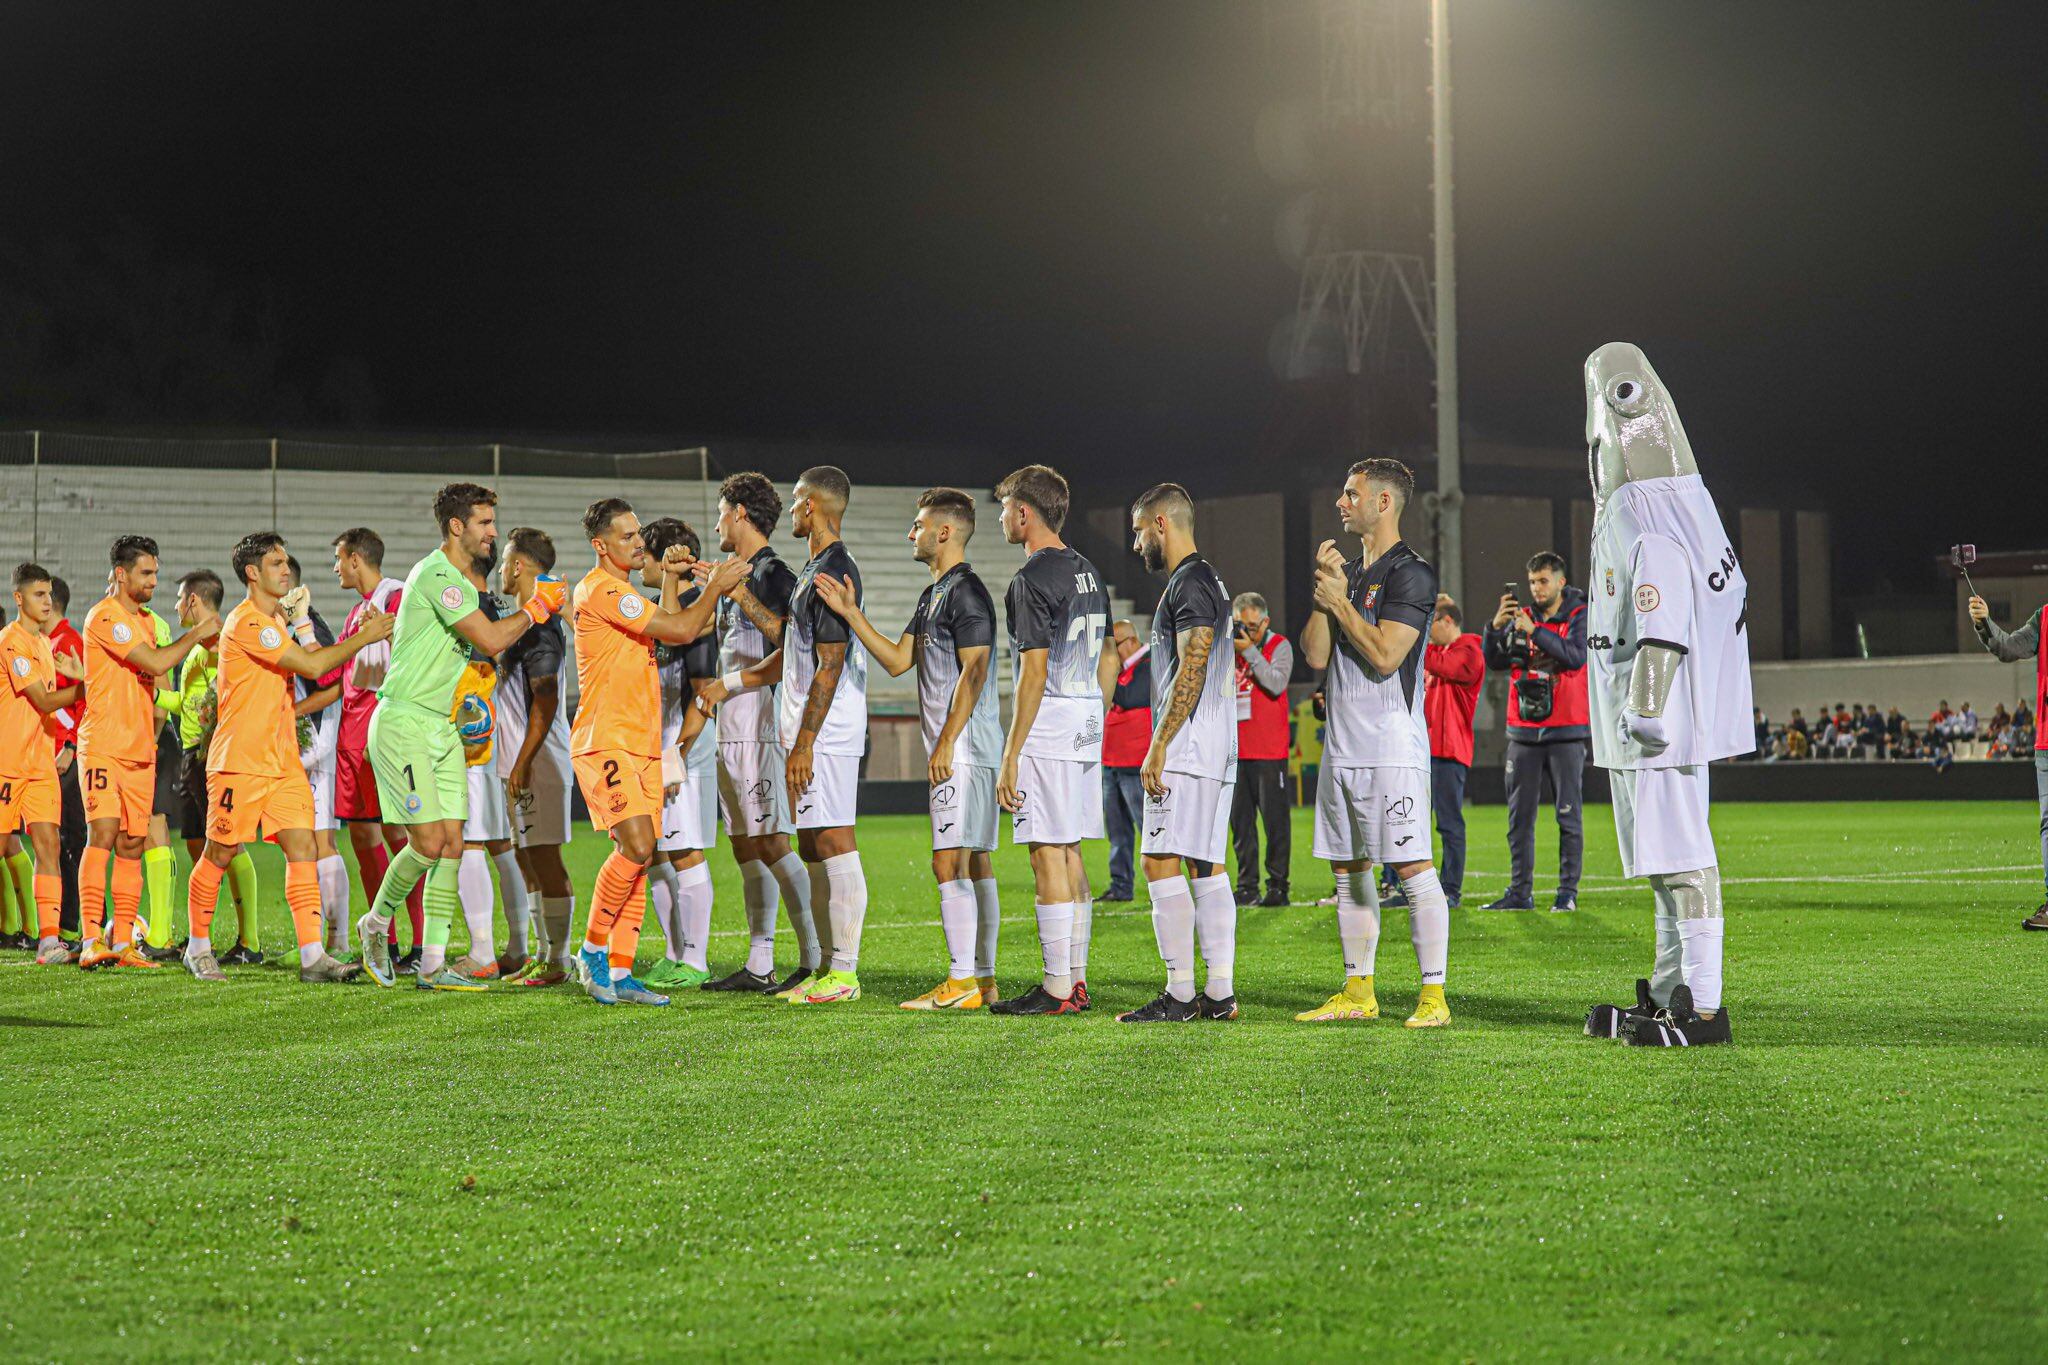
(1042, 230)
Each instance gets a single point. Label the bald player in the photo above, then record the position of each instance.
(615, 745)
(117, 748)
(30, 799)
(255, 777)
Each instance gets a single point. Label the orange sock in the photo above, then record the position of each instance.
(615, 882)
(302, 894)
(202, 894)
(626, 930)
(127, 900)
(49, 903)
(92, 891)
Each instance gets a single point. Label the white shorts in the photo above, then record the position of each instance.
(750, 788)
(1193, 821)
(689, 819)
(1061, 801)
(828, 802)
(542, 814)
(322, 781)
(1380, 815)
(964, 810)
(1660, 820)
(489, 820)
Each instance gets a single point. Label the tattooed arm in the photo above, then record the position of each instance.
(769, 623)
(824, 683)
(1194, 644)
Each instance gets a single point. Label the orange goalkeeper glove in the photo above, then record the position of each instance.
(548, 595)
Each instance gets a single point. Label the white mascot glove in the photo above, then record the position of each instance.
(1647, 731)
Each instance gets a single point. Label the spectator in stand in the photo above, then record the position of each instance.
(1126, 735)
(2029, 641)
(1937, 724)
(65, 640)
(1797, 724)
(1265, 660)
(1873, 738)
(1766, 744)
(1543, 650)
(1964, 725)
(1894, 728)
(1797, 744)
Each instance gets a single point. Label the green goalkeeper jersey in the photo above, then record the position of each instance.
(427, 655)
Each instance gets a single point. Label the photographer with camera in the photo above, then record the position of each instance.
(1543, 650)
(1264, 662)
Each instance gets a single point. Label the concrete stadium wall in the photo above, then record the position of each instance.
(1915, 684)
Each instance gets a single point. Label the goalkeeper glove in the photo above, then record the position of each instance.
(297, 605)
(548, 595)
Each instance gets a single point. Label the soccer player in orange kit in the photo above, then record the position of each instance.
(30, 799)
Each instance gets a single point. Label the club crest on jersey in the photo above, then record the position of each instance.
(631, 606)
(1372, 597)
(451, 597)
(413, 805)
(122, 635)
(1647, 597)
(270, 638)
(1610, 582)
(21, 667)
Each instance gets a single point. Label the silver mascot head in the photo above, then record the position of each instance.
(1632, 427)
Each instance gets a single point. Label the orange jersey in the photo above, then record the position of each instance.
(620, 707)
(24, 746)
(120, 699)
(255, 733)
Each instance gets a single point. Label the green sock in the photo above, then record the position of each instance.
(22, 870)
(10, 911)
(242, 882)
(442, 899)
(404, 873)
(157, 866)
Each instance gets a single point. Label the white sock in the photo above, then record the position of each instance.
(1700, 940)
(849, 909)
(1668, 967)
(559, 915)
(821, 913)
(957, 918)
(1084, 932)
(988, 923)
(194, 946)
(433, 957)
(309, 953)
(620, 974)
(1173, 927)
(1358, 921)
(1429, 924)
(473, 885)
(1055, 935)
(518, 907)
(1216, 921)
(693, 915)
(794, 879)
(757, 893)
(333, 874)
(662, 890)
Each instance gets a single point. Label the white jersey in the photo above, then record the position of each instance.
(1056, 603)
(1664, 572)
(676, 667)
(1376, 719)
(811, 623)
(538, 654)
(1206, 744)
(750, 715)
(953, 614)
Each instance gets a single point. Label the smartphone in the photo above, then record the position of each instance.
(1513, 590)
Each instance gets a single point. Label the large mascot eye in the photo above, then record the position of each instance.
(1629, 395)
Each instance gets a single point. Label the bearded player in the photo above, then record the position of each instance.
(30, 799)
(1372, 802)
(949, 640)
(1050, 780)
(256, 782)
(616, 742)
(414, 749)
(1190, 768)
(117, 748)
(1670, 686)
(533, 758)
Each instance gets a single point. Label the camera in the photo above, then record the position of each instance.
(1240, 630)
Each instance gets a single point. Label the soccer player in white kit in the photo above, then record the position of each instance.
(1670, 686)
(1190, 769)
(751, 764)
(1050, 781)
(679, 878)
(1372, 800)
(949, 641)
(532, 747)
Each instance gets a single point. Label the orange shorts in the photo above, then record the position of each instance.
(114, 790)
(240, 805)
(31, 800)
(618, 786)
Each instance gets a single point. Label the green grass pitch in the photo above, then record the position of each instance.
(265, 1171)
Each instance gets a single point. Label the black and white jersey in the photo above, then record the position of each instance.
(811, 623)
(1375, 719)
(535, 655)
(750, 715)
(953, 614)
(1056, 603)
(1206, 744)
(679, 666)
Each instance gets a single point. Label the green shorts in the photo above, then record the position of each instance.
(421, 774)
